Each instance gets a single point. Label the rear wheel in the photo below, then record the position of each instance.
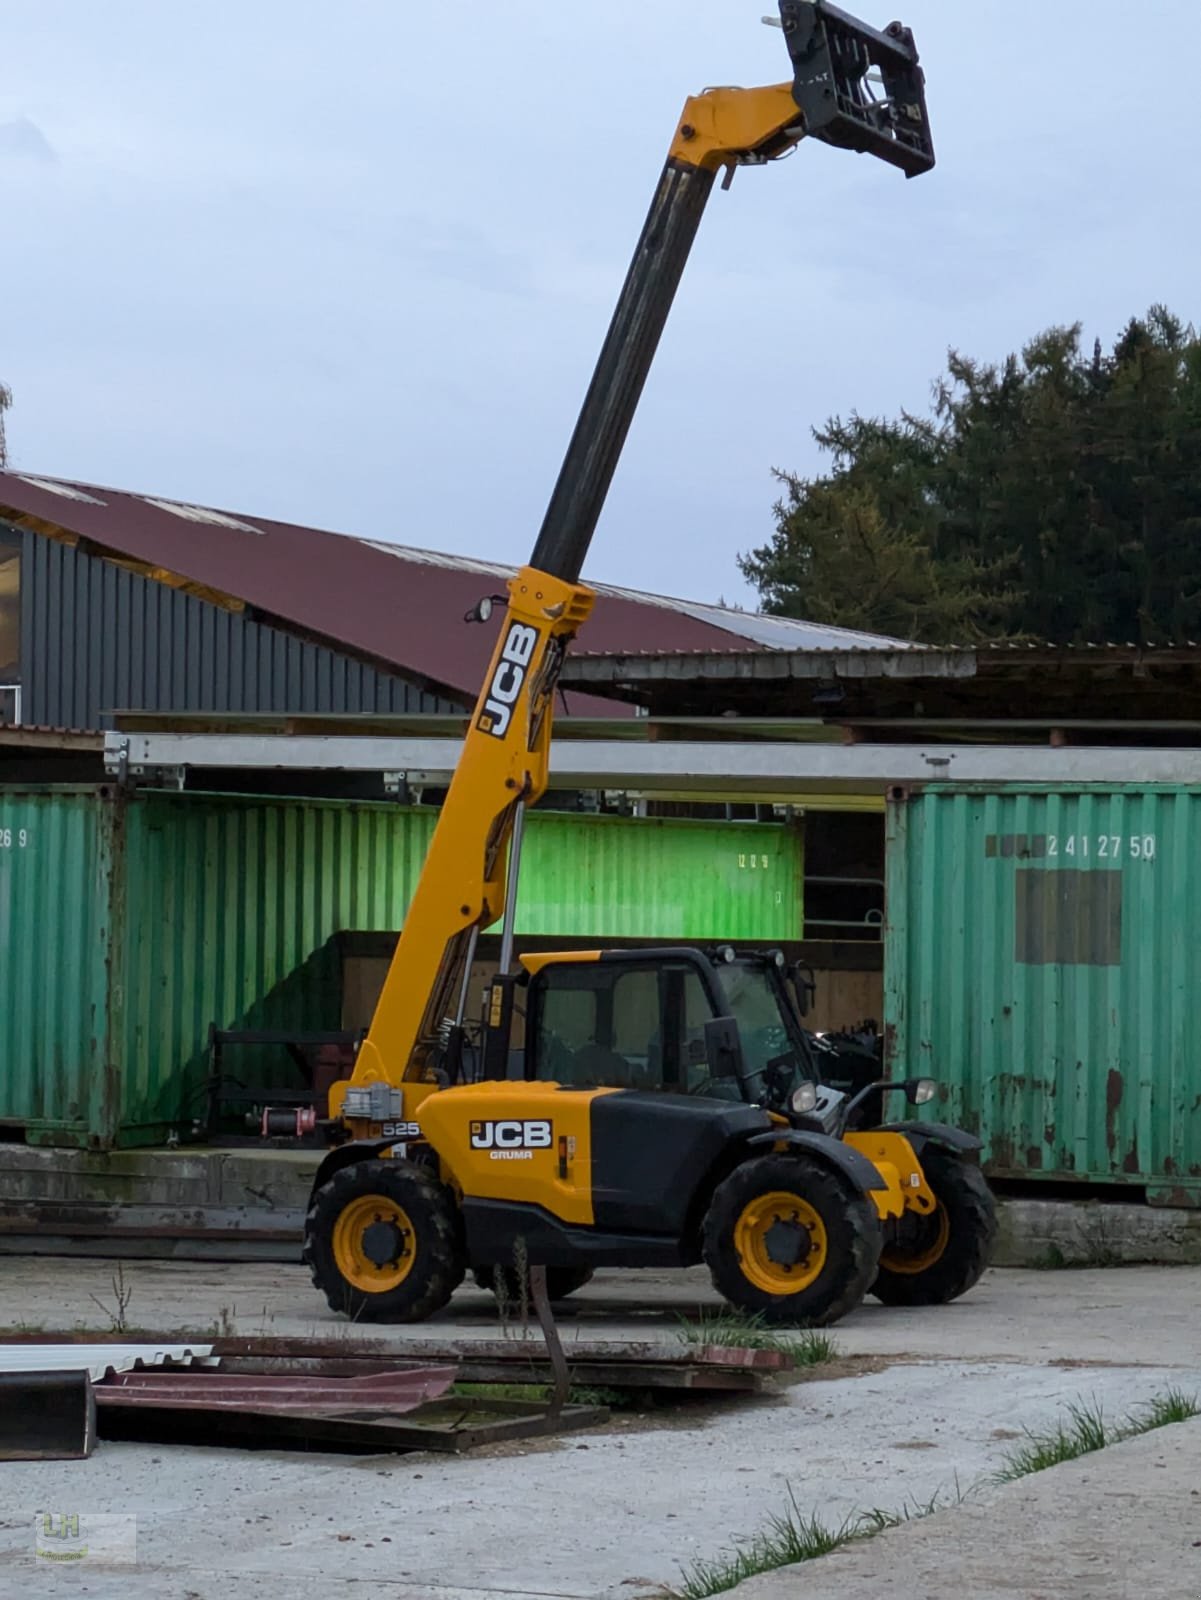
(791, 1241)
(939, 1257)
(560, 1282)
(382, 1241)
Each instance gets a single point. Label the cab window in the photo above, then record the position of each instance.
(595, 1024)
(622, 1026)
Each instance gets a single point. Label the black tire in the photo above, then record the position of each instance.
(560, 1281)
(966, 1220)
(828, 1287)
(429, 1238)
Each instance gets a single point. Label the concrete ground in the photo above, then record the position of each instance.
(1121, 1525)
(619, 1511)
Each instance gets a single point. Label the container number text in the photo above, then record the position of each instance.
(1102, 846)
(13, 838)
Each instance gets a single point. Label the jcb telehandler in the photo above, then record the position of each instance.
(651, 1108)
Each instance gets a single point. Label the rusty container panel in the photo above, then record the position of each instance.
(55, 934)
(659, 878)
(1043, 961)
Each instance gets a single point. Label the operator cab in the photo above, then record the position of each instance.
(720, 1027)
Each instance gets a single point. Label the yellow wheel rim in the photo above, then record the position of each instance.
(911, 1262)
(781, 1243)
(373, 1244)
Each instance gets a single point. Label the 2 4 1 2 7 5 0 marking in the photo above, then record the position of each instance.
(1102, 846)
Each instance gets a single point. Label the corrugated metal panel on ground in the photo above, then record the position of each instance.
(97, 638)
(1043, 959)
(100, 1358)
(128, 925)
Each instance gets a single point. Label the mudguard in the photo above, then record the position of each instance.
(345, 1155)
(940, 1133)
(850, 1163)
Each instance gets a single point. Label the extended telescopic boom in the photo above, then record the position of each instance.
(853, 87)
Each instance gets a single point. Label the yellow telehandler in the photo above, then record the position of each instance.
(630, 1108)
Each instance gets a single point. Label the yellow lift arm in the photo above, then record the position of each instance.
(852, 86)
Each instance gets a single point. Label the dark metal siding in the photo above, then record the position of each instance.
(96, 639)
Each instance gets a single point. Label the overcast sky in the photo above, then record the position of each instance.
(350, 264)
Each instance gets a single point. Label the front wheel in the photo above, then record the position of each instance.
(382, 1240)
(941, 1256)
(791, 1241)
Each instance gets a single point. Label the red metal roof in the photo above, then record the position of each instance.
(399, 606)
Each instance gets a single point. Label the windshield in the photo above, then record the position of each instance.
(771, 1048)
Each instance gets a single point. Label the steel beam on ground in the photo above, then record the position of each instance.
(47, 1416)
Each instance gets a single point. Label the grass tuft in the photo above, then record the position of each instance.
(788, 1538)
(1086, 1430)
(732, 1330)
(1079, 1434)
(1171, 1406)
(792, 1537)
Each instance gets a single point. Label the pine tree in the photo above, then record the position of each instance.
(1055, 495)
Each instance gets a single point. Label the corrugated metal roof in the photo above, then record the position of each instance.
(749, 648)
(98, 1359)
(392, 603)
(38, 732)
(881, 656)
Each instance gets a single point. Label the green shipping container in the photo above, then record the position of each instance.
(1043, 960)
(629, 878)
(128, 925)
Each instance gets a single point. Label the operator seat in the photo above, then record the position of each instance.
(596, 1064)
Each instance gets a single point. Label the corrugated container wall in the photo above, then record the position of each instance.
(127, 926)
(1043, 960)
(628, 878)
(96, 638)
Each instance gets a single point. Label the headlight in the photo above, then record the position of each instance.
(804, 1099)
(924, 1090)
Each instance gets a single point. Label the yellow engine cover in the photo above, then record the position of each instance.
(524, 1142)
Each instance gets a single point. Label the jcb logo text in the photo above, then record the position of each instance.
(507, 680)
(505, 1138)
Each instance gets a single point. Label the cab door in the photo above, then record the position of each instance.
(638, 1025)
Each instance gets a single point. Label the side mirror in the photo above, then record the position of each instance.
(920, 1091)
(805, 985)
(723, 1048)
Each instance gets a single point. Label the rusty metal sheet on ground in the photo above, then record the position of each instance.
(291, 1393)
(611, 1351)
